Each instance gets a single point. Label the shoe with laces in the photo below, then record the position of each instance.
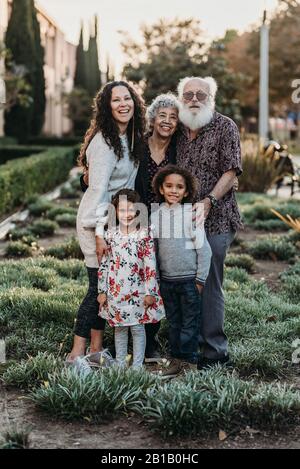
(82, 366)
(170, 368)
(101, 359)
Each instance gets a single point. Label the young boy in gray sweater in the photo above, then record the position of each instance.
(184, 257)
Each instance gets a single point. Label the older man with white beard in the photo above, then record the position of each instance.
(208, 145)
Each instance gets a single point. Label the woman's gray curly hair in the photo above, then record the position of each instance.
(163, 100)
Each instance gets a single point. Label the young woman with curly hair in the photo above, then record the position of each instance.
(111, 151)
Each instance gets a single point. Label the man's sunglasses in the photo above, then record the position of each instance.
(200, 95)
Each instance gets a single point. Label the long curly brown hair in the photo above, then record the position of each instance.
(104, 122)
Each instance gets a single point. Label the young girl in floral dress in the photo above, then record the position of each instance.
(129, 295)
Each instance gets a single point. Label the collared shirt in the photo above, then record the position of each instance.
(215, 151)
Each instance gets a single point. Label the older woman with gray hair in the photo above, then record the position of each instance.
(162, 121)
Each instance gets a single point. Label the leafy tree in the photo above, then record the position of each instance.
(39, 97)
(92, 69)
(80, 80)
(79, 110)
(170, 51)
(20, 40)
(16, 89)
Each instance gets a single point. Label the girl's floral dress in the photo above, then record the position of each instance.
(128, 273)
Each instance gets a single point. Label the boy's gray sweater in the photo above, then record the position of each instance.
(183, 250)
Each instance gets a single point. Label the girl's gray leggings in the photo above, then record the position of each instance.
(139, 344)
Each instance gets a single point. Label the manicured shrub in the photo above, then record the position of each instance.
(60, 210)
(243, 261)
(213, 400)
(66, 220)
(94, 397)
(272, 247)
(65, 250)
(270, 225)
(33, 371)
(237, 275)
(43, 228)
(22, 234)
(35, 174)
(18, 249)
(262, 211)
(12, 152)
(40, 207)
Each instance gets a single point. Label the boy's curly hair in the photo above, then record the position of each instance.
(190, 181)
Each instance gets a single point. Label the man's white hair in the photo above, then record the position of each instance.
(211, 82)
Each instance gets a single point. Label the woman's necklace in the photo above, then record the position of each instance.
(157, 156)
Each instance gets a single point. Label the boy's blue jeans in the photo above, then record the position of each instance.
(182, 302)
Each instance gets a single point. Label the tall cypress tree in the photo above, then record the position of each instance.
(80, 80)
(94, 74)
(39, 96)
(20, 40)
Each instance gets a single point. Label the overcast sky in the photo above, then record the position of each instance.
(215, 15)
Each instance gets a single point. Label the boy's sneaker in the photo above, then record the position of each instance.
(153, 357)
(82, 366)
(170, 368)
(101, 359)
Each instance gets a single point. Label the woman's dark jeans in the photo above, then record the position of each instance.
(182, 302)
(87, 316)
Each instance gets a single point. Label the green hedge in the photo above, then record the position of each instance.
(35, 174)
(12, 152)
(56, 141)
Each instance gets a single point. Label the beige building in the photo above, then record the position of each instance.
(60, 63)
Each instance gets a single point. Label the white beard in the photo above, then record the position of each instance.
(199, 119)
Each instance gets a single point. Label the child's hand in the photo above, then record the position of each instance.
(200, 288)
(102, 299)
(149, 300)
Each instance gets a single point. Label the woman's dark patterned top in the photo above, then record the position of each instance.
(215, 151)
(153, 168)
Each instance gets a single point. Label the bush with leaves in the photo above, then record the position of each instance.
(243, 261)
(60, 210)
(66, 220)
(207, 401)
(273, 248)
(18, 249)
(69, 249)
(40, 207)
(39, 173)
(33, 371)
(94, 397)
(43, 228)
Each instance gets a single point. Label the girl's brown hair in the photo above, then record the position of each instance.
(190, 182)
